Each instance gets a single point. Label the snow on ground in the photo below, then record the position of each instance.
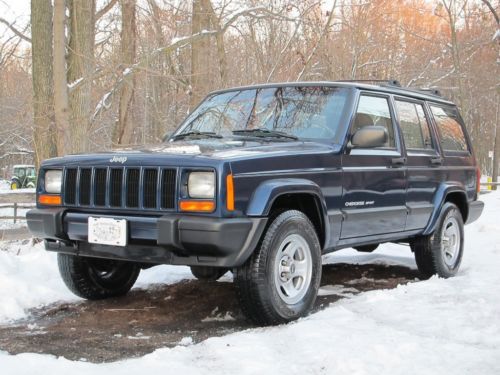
(431, 327)
(29, 278)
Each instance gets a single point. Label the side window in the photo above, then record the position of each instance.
(374, 110)
(414, 125)
(450, 129)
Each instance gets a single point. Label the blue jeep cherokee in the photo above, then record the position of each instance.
(263, 180)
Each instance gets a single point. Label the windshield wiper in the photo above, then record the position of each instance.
(197, 134)
(263, 132)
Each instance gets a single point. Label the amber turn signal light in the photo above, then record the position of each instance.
(230, 192)
(49, 200)
(197, 206)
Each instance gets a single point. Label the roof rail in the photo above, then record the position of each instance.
(386, 82)
(431, 91)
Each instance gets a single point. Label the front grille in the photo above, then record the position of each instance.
(127, 188)
(116, 182)
(84, 189)
(70, 186)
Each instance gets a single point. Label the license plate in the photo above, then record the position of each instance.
(107, 231)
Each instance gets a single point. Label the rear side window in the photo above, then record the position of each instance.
(373, 110)
(450, 129)
(414, 125)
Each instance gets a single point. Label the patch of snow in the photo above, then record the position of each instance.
(74, 83)
(496, 35)
(218, 317)
(19, 191)
(337, 290)
(9, 224)
(185, 341)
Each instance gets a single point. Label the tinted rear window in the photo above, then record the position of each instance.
(450, 129)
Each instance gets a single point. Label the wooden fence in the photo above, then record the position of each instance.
(16, 201)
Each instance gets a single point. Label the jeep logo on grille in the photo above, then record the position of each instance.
(118, 159)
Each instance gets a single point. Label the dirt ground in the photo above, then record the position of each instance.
(167, 315)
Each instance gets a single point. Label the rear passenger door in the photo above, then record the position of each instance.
(423, 160)
(458, 165)
(373, 179)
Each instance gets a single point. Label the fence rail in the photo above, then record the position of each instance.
(16, 201)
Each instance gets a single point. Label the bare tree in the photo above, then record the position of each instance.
(61, 106)
(80, 67)
(200, 51)
(496, 145)
(43, 107)
(123, 130)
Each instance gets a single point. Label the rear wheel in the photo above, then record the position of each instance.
(280, 281)
(208, 273)
(93, 278)
(441, 252)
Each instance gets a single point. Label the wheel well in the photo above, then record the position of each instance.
(309, 204)
(459, 200)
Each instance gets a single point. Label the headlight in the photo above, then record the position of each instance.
(53, 181)
(201, 185)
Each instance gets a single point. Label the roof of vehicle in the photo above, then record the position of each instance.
(386, 88)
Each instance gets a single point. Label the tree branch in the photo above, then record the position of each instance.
(492, 10)
(14, 30)
(105, 9)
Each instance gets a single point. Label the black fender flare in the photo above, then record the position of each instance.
(268, 191)
(439, 199)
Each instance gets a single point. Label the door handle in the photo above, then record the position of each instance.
(436, 162)
(398, 162)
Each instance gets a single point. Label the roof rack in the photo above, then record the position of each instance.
(395, 83)
(431, 91)
(387, 82)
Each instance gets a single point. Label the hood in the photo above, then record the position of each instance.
(196, 151)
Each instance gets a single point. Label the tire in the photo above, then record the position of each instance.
(441, 252)
(280, 281)
(93, 278)
(14, 185)
(206, 273)
(366, 248)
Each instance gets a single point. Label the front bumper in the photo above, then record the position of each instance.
(168, 239)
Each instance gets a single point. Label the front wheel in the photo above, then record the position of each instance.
(14, 185)
(280, 281)
(93, 278)
(441, 252)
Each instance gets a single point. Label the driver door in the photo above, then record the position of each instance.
(374, 179)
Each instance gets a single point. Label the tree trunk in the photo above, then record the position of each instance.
(60, 81)
(219, 38)
(200, 54)
(81, 66)
(43, 108)
(496, 150)
(123, 131)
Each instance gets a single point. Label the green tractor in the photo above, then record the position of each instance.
(24, 176)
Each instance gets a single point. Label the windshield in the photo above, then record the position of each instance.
(300, 112)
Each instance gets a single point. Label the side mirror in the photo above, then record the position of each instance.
(369, 137)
